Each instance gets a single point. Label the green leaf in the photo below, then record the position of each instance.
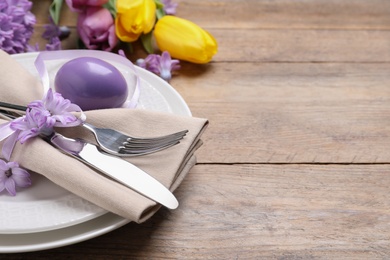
(80, 44)
(160, 13)
(159, 4)
(111, 6)
(146, 40)
(55, 10)
(127, 47)
(130, 48)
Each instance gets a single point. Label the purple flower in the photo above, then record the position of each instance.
(34, 123)
(161, 65)
(16, 25)
(57, 109)
(42, 115)
(54, 31)
(51, 30)
(96, 29)
(169, 7)
(12, 176)
(54, 45)
(80, 5)
(149, 63)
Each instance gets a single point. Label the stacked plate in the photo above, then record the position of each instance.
(45, 215)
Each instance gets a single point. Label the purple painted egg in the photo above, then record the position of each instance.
(91, 83)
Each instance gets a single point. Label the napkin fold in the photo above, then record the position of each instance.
(169, 166)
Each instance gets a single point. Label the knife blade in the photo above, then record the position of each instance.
(116, 168)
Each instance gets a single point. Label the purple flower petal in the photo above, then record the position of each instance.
(169, 7)
(10, 186)
(2, 182)
(3, 167)
(21, 177)
(51, 30)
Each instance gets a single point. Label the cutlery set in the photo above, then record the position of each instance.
(105, 157)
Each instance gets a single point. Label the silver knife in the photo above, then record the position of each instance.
(114, 167)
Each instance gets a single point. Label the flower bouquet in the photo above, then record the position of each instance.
(108, 25)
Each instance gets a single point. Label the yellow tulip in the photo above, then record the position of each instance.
(184, 40)
(133, 18)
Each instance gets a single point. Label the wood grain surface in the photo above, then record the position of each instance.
(295, 163)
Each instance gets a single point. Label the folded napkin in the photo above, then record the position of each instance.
(169, 166)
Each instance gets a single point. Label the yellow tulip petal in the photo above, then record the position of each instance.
(122, 6)
(184, 40)
(134, 17)
(149, 13)
(123, 34)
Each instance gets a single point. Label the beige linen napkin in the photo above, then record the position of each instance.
(169, 166)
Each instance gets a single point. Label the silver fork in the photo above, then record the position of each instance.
(117, 143)
(112, 141)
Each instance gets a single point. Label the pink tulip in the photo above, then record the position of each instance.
(80, 5)
(96, 29)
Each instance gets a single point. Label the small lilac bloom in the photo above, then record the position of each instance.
(16, 25)
(169, 7)
(57, 109)
(51, 30)
(149, 63)
(96, 29)
(161, 65)
(34, 123)
(54, 31)
(12, 176)
(80, 5)
(54, 45)
(42, 115)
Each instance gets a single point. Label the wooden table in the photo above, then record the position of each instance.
(295, 162)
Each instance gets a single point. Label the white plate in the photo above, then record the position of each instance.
(18, 243)
(47, 207)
